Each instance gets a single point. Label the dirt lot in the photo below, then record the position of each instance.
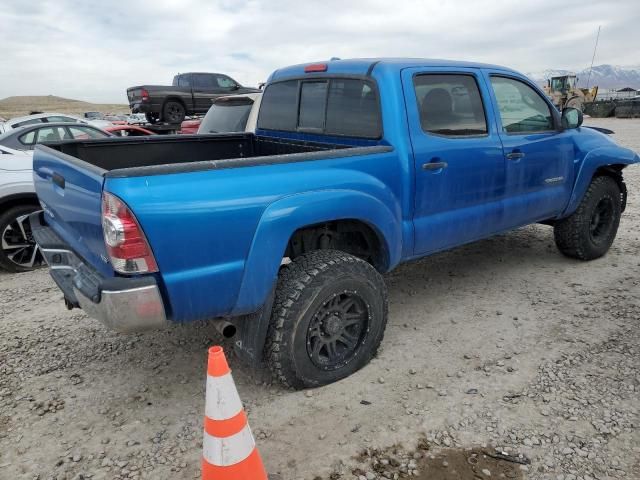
(503, 343)
(19, 106)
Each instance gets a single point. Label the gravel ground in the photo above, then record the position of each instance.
(503, 345)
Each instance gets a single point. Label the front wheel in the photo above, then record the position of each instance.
(18, 250)
(328, 318)
(589, 232)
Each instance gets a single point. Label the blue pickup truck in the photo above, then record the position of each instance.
(281, 237)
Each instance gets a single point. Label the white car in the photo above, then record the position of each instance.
(49, 117)
(18, 251)
(232, 113)
(137, 119)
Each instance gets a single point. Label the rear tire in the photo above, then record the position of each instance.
(588, 233)
(18, 250)
(328, 319)
(173, 112)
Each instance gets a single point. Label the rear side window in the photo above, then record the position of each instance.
(450, 105)
(353, 109)
(28, 138)
(182, 81)
(334, 106)
(279, 108)
(83, 133)
(203, 80)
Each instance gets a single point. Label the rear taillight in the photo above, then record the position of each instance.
(126, 244)
(144, 94)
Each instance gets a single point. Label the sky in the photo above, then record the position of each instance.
(93, 51)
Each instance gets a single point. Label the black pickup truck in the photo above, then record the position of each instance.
(190, 94)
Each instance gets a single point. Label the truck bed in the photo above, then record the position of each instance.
(149, 155)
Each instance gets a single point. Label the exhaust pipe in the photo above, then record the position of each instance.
(226, 329)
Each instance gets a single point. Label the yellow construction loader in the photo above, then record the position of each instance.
(564, 92)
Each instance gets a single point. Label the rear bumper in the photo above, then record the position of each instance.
(141, 107)
(122, 304)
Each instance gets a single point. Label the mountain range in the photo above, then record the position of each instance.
(605, 76)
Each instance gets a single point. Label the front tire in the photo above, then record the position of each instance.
(588, 233)
(18, 250)
(328, 319)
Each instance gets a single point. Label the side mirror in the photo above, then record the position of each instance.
(571, 118)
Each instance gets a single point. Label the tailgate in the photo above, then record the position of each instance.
(134, 94)
(70, 192)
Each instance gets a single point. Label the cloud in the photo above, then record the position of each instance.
(95, 50)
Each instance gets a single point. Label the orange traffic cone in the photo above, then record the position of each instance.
(228, 450)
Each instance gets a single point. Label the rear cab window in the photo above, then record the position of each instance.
(450, 105)
(337, 106)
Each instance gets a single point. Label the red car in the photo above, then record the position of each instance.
(128, 131)
(189, 127)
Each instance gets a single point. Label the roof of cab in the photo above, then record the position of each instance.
(362, 66)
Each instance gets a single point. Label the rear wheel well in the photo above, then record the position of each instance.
(350, 236)
(18, 200)
(174, 99)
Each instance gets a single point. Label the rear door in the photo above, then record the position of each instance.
(539, 155)
(205, 87)
(70, 192)
(458, 159)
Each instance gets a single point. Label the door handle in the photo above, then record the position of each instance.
(515, 155)
(58, 180)
(434, 165)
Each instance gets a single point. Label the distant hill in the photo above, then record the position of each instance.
(11, 107)
(605, 76)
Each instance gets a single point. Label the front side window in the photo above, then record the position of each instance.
(450, 105)
(522, 109)
(332, 106)
(225, 82)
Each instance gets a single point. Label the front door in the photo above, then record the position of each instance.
(539, 155)
(458, 158)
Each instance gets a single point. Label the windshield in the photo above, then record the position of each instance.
(227, 115)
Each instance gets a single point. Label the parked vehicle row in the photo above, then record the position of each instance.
(283, 235)
(18, 251)
(227, 114)
(190, 94)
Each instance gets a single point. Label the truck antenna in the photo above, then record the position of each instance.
(594, 56)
